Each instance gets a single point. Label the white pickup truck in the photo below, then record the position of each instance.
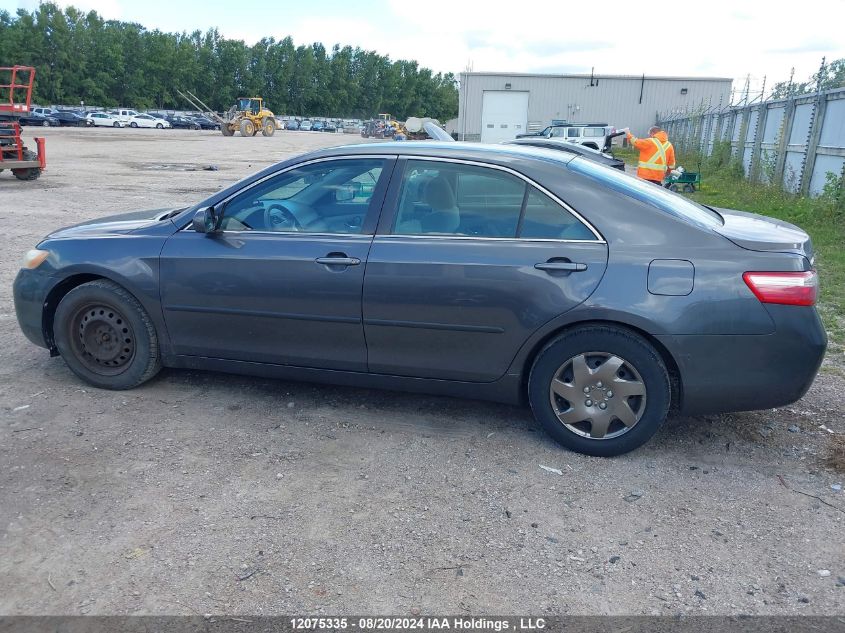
(124, 116)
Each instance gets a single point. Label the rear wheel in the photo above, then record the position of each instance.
(133, 124)
(227, 131)
(106, 337)
(247, 128)
(45, 123)
(159, 126)
(599, 390)
(689, 188)
(116, 124)
(268, 127)
(29, 173)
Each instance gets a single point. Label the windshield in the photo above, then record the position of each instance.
(660, 197)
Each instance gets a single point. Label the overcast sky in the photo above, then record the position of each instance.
(714, 38)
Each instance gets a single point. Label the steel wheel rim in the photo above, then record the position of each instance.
(598, 395)
(102, 339)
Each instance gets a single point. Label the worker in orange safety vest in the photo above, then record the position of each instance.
(657, 156)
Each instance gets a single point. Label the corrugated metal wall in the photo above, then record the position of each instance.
(793, 143)
(618, 100)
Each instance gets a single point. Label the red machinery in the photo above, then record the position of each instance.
(15, 99)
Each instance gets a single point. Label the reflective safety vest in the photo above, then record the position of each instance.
(656, 156)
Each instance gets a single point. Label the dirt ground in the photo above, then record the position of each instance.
(208, 493)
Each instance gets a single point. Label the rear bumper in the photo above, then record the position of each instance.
(723, 373)
(30, 291)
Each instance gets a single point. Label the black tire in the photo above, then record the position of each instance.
(247, 128)
(133, 124)
(688, 188)
(159, 126)
(268, 127)
(652, 407)
(29, 173)
(116, 124)
(45, 124)
(89, 321)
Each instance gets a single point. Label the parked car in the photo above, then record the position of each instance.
(183, 122)
(42, 111)
(305, 125)
(104, 119)
(39, 119)
(205, 123)
(497, 272)
(71, 118)
(147, 120)
(317, 126)
(329, 126)
(65, 117)
(595, 135)
(603, 158)
(291, 124)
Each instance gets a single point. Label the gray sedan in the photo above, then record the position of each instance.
(497, 272)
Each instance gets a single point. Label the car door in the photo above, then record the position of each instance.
(468, 261)
(281, 281)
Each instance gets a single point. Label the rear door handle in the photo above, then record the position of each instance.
(566, 266)
(338, 261)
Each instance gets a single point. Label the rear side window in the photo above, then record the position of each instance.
(594, 132)
(546, 219)
(442, 198)
(663, 199)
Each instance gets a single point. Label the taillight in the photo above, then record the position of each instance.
(791, 289)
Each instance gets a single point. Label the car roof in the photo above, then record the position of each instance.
(553, 143)
(457, 150)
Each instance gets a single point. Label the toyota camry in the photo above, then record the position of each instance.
(495, 272)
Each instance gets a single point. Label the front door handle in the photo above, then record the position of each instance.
(561, 266)
(338, 260)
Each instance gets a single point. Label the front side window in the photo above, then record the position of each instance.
(325, 197)
(442, 198)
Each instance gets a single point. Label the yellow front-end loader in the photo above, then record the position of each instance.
(248, 116)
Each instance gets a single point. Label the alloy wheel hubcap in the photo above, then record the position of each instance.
(598, 395)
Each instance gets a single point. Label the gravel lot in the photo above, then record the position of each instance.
(208, 493)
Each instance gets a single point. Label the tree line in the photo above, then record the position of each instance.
(828, 77)
(79, 56)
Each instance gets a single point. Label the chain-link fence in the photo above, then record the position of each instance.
(796, 143)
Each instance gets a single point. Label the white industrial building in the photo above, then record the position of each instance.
(494, 107)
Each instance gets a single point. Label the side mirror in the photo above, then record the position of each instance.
(205, 221)
(344, 193)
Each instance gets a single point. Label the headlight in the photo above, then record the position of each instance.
(34, 258)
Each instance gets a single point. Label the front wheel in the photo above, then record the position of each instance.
(133, 124)
(268, 127)
(45, 124)
(159, 126)
(116, 124)
(599, 390)
(247, 128)
(106, 337)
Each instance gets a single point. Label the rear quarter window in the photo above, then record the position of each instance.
(672, 203)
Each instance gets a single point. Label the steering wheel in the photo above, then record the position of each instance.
(277, 217)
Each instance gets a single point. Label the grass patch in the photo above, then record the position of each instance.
(823, 218)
